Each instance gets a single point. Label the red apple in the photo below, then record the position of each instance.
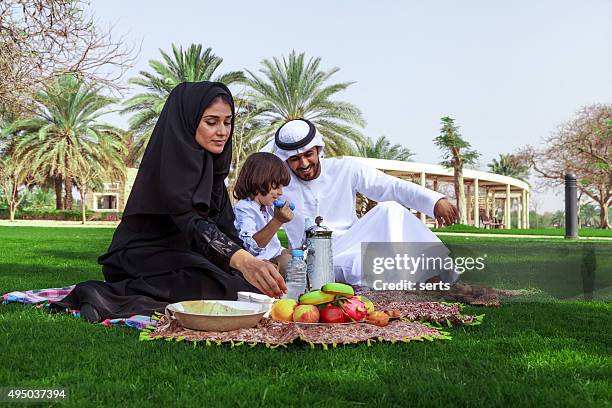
(306, 314)
(332, 314)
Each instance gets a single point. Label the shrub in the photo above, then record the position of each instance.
(60, 215)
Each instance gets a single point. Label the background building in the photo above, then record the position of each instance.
(114, 196)
(490, 198)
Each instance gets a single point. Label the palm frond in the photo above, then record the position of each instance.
(191, 65)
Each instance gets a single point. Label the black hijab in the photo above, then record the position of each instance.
(176, 174)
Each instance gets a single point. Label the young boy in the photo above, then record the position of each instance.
(259, 184)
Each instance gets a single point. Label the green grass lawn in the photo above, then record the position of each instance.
(583, 232)
(531, 351)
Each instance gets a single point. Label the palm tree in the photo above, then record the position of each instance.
(294, 88)
(589, 215)
(10, 131)
(248, 136)
(192, 65)
(381, 148)
(130, 140)
(558, 219)
(66, 134)
(456, 154)
(509, 165)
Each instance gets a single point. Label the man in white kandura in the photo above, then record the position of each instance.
(327, 187)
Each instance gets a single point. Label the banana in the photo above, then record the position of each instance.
(316, 297)
(338, 289)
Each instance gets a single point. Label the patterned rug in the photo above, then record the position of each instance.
(418, 321)
(422, 314)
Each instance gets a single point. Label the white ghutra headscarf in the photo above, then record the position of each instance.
(295, 137)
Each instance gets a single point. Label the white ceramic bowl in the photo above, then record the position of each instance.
(198, 321)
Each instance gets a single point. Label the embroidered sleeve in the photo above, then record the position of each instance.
(205, 237)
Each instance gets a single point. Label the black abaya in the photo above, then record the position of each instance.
(177, 235)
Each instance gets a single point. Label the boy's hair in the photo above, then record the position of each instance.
(260, 172)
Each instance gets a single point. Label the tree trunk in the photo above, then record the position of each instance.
(468, 204)
(12, 210)
(14, 201)
(456, 185)
(82, 206)
(68, 193)
(460, 193)
(59, 204)
(435, 187)
(603, 215)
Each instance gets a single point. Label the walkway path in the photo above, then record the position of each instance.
(470, 234)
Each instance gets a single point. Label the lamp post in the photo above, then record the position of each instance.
(571, 207)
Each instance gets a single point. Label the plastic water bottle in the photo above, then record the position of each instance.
(295, 278)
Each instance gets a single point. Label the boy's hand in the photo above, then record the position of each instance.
(284, 213)
(279, 204)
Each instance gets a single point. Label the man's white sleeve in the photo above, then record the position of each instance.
(379, 186)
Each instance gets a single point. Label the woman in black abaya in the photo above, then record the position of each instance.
(176, 240)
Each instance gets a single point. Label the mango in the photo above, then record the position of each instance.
(283, 310)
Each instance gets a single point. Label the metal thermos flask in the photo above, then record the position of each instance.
(319, 259)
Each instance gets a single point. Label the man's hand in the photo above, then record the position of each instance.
(445, 212)
(261, 274)
(284, 213)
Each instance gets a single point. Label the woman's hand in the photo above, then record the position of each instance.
(261, 274)
(283, 214)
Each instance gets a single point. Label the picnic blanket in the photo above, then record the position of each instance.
(44, 297)
(422, 316)
(418, 321)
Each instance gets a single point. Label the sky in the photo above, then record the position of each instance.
(509, 72)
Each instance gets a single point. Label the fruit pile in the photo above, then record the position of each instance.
(334, 303)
